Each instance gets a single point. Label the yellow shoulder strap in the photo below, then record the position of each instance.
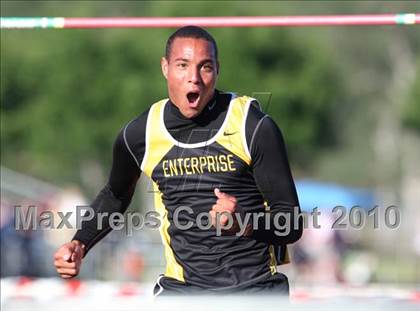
(233, 138)
(157, 144)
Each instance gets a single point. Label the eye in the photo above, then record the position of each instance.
(208, 68)
(182, 65)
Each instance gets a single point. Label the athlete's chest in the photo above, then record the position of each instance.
(224, 156)
(204, 163)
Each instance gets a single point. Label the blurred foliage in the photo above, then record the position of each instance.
(66, 93)
(411, 111)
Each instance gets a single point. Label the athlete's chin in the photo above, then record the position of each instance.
(191, 111)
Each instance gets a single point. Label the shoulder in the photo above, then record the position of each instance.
(259, 125)
(253, 118)
(254, 111)
(255, 114)
(133, 136)
(136, 128)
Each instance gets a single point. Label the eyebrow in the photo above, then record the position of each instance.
(181, 59)
(208, 60)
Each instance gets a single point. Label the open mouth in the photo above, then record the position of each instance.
(193, 98)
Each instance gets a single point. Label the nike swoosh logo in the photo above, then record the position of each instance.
(228, 134)
(211, 106)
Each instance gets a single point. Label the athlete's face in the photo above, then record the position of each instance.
(191, 73)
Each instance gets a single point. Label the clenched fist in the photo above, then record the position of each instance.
(68, 258)
(223, 215)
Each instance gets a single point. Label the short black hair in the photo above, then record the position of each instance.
(190, 32)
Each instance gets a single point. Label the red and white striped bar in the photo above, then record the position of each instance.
(228, 21)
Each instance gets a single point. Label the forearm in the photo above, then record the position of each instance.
(93, 230)
(282, 226)
(273, 176)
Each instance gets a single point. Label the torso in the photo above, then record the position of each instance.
(185, 170)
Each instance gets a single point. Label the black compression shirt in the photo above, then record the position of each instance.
(269, 169)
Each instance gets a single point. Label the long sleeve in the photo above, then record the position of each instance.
(116, 195)
(274, 179)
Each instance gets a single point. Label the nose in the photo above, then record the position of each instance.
(194, 75)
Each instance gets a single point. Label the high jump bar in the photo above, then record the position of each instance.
(225, 21)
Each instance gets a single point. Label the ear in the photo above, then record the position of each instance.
(164, 66)
(217, 67)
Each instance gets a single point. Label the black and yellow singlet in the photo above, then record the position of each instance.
(231, 145)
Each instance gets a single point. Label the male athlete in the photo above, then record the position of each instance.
(208, 151)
